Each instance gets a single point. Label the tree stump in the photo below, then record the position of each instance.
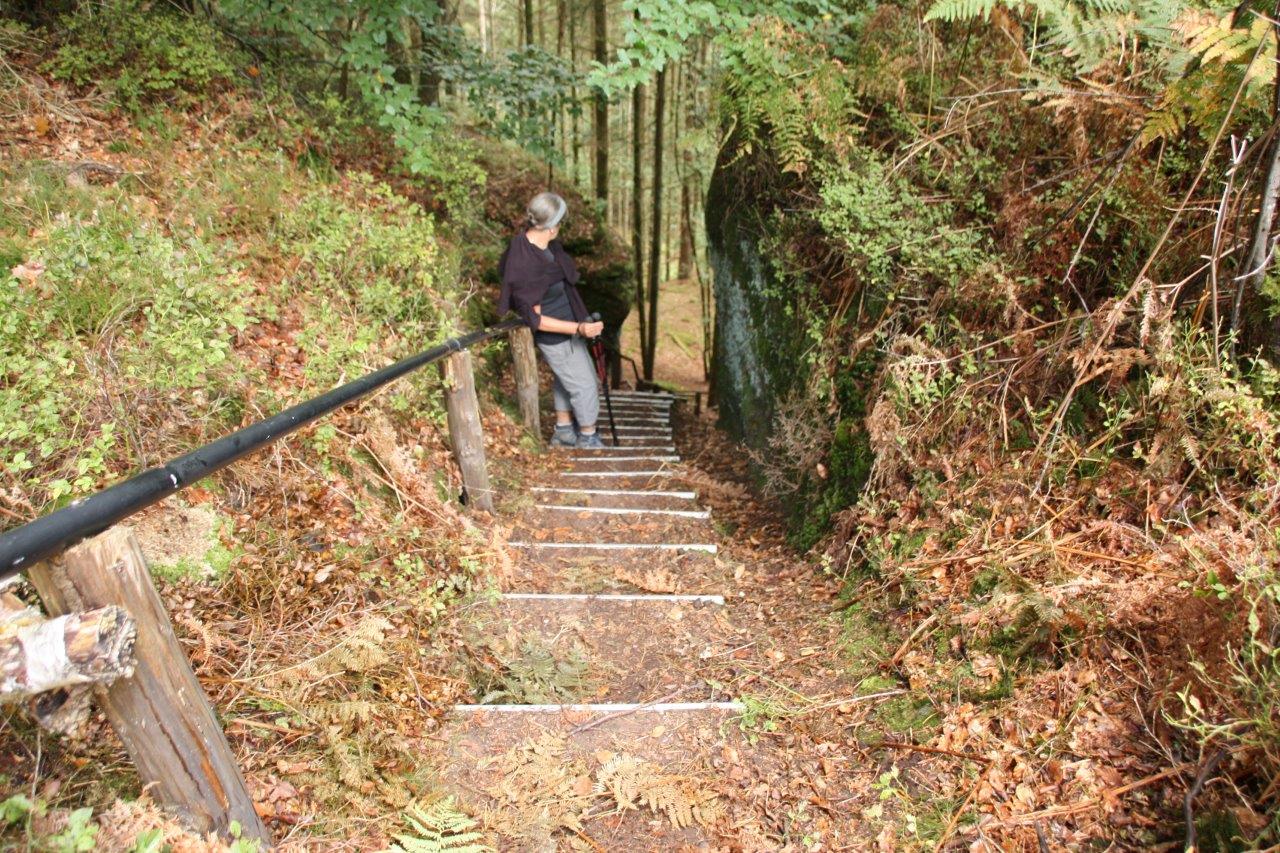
(160, 712)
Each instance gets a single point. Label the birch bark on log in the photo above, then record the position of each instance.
(39, 654)
(160, 713)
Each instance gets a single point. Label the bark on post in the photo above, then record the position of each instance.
(160, 713)
(466, 434)
(526, 369)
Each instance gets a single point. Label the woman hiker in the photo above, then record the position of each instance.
(538, 282)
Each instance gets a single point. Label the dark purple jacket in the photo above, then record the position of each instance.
(527, 273)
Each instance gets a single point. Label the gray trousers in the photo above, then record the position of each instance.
(575, 388)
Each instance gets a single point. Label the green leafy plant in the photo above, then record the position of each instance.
(141, 53)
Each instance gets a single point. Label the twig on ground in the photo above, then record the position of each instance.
(1189, 801)
(893, 662)
(933, 750)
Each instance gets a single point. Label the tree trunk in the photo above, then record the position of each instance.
(528, 23)
(561, 124)
(601, 24)
(637, 201)
(483, 8)
(655, 243)
(575, 142)
(1249, 286)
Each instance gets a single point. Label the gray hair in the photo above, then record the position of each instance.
(545, 211)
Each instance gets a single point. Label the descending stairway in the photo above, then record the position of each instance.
(598, 545)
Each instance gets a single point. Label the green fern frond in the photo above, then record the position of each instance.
(441, 828)
(1166, 121)
(951, 11)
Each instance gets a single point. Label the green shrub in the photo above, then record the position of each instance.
(377, 263)
(142, 54)
(121, 305)
(892, 237)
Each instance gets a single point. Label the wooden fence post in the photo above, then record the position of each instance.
(466, 433)
(160, 712)
(526, 367)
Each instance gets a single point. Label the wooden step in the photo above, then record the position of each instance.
(586, 571)
(632, 498)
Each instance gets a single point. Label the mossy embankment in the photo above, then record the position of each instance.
(1006, 442)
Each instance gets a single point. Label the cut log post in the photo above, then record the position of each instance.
(466, 433)
(160, 713)
(39, 654)
(526, 368)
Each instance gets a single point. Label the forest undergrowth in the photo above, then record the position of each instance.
(186, 250)
(1003, 411)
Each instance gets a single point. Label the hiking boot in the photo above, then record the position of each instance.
(590, 441)
(564, 436)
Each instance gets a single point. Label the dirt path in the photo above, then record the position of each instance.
(679, 358)
(661, 673)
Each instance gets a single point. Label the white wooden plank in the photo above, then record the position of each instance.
(617, 473)
(624, 458)
(620, 546)
(603, 707)
(621, 510)
(682, 495)
(608, 597)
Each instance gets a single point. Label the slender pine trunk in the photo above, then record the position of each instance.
(601, 46)
(1261, 248)
(655, 242)
(637, 213)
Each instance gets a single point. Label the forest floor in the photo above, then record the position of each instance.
(679, 360)
(788, 733)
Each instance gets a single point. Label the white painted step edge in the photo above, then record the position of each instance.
(627, 448)
(643, 395)
(605, 707)
(624, 458)
(621, 510)
(621, 546)
(610, 597)
(617, 473)
(658, 493)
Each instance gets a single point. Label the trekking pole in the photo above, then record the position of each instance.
(602, 371)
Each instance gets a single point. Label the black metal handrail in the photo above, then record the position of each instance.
(49, 535)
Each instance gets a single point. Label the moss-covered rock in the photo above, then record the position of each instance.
(759, 341)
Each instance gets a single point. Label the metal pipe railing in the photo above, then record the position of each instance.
(49, 535)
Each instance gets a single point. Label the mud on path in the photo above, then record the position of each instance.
(717, 697)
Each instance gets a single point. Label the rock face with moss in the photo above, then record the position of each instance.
(757, 344)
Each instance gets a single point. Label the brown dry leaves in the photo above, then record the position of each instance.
(544, 787)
